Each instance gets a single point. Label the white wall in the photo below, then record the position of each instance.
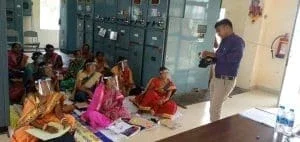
(45, 36)
(280, 19)
(258, 69)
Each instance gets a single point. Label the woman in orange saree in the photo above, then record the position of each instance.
(41, 107)
(156, 98)
(124, 73)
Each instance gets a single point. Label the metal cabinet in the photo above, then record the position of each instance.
(97, 27)
(153, 58)
(136, 61)
(68, 30)
(79, 40)
(123, 12)
(80, 24)
(109, 51)
(155, 38)
(99, 8)
(123, 37)
(88, 25)
(121, 53)
(137, 35)
(157, 13)
(111, 10)
(139, 10)
(153, 53)
(98, 46)
(14, 18)
(88, 38)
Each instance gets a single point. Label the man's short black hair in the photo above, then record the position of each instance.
(225, 22)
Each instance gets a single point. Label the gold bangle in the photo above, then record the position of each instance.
(45, 127)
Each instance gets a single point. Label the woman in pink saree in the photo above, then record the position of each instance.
(106, 105)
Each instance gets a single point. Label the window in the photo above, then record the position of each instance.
(49, 14)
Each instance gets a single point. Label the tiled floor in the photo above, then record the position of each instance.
(4, 138)
(198, 114)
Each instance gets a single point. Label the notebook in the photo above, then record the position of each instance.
(45, 136)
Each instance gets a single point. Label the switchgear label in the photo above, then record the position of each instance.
(136, 35)
(154, 38)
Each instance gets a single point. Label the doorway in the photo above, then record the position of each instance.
(45, 21)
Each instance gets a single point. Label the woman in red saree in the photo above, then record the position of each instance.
(156, 98)
(53, 58)
(124, 73)
(16, 65)
(16, 59)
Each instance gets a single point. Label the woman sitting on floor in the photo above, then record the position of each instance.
(75, 66)
(156, 98)
(85, 52)
(41, 107)
(124, 73)
(53, 58)
(101, 62)
(86, 81)
(17, 61)
(45, 70)
(32, 68)
(107, 103)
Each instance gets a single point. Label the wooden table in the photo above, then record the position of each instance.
(233, 129)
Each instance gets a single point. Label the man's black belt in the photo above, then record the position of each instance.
(225, 77)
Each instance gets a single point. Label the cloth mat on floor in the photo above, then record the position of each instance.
(84, 133)
(133, 110)
(201, 96)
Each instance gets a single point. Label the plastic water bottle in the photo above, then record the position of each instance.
(290, 122)
(280, 120)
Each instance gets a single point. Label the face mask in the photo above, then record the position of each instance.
(43, 86)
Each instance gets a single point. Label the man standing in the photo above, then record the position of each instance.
(228, 58)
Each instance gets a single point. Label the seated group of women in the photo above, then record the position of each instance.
(91, 81)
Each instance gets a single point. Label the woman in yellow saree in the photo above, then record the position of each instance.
(41, 107)
(86, 81)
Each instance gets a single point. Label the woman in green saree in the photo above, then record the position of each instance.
(70, 77)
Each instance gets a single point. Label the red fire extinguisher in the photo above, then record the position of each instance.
(282, 46)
